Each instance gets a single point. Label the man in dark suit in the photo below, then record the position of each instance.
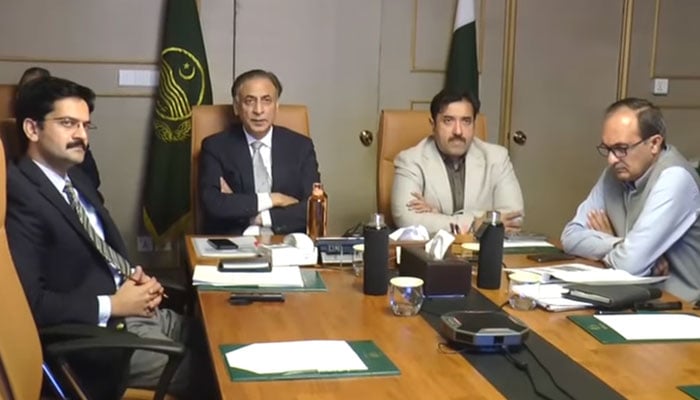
(255, 178)
(58, 232)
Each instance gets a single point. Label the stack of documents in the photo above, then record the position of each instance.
(296, 357)
(246, 248)
(548, 296)
(582, 273)
(278, 277)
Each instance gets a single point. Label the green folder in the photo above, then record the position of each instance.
(691, 390)
(377, 362)
(312, 283)
(531, 250)
(607, 335)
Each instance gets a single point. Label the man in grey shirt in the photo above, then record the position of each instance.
(642, 214)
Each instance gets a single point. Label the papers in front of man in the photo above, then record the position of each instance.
(299, 357)
(653, 326)
(549, 296)
(246, 248)
(511, 244)
(582, 273)
(289, 276)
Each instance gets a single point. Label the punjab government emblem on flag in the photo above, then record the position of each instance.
(462, 68)
(184, 82)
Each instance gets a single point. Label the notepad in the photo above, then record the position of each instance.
(277, 277)
(296, 357)
(654, 326)
(246, 248)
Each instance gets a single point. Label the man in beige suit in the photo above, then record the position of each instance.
(452, 178)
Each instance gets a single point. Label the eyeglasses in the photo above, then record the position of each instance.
(619, 150)
(72, 124)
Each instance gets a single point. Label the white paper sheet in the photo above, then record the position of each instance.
(582, 273)
(296, 357)
(246, 248)
(510, 244)
(278, 277)
(653, 326)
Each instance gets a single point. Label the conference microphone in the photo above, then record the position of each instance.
(612, 296)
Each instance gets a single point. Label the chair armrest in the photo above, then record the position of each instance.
(62, 332)
(127, 342)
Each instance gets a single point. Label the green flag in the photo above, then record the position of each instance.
(462, 68)
(184, 82)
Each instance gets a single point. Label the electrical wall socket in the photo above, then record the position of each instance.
(660, 87)
(144, 244)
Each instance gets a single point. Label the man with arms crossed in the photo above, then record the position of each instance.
(255, 177)
(451, 177)
(641, 216)
(68, 252)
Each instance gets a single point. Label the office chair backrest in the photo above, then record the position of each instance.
(399, 130)
(20, 349)
(210, 119)
(7, 100)
(10, 139)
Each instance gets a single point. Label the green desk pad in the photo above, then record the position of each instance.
(531, 250)
(312, 283)
(607, 335)
(691, 390)
(377, 362)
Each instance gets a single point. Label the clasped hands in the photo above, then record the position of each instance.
(512, 220)
(140, 295)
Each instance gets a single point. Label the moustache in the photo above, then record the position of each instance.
(458, 139)
(77, 143)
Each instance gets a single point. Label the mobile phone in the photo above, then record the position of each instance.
(548, 257)
(222, 244)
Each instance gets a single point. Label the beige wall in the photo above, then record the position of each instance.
(664, 45)
(89, 41)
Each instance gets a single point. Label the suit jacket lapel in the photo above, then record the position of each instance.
(474, 167)
(48, 190)
(277, 156)
(436, 178)
(242, 159)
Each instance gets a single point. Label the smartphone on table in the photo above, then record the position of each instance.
(222, 244)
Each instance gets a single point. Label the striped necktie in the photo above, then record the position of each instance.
(115, 259)
(262, 178)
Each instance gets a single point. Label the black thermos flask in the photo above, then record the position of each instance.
(376, 256)
(490, 234)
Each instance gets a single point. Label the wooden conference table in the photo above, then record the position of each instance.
(636, 371)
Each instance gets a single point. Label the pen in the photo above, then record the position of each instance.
(606, 312)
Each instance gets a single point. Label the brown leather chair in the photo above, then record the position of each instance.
(7, 100)
(210, 119)
(399, 130)
(21, 349)
(10, 140)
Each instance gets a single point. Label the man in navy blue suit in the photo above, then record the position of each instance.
(255, 177)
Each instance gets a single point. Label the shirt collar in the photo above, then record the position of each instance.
(449, 161)
(57, 180)
(642, 181)
(266, 140)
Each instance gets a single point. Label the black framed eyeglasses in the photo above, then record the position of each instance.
(619, 150)
(72, 124)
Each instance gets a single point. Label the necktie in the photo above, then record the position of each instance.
(112, 257)
(262, 179)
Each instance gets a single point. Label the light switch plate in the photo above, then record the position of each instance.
(660, 87)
